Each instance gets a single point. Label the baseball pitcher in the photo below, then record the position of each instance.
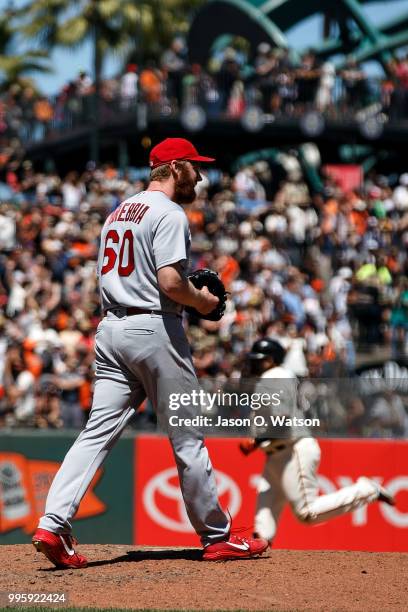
(140, 346)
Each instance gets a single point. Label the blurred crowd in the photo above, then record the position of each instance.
(325, 273)
(231, 83)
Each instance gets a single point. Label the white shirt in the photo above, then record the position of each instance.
(128, 85)
(72, 196)
(26, 403)
(400, 197)
(7, 232)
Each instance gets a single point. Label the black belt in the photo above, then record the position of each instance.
(138, 311)
(277, 448)
(275, 444)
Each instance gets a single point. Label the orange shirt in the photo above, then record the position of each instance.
(85, 395)
(43, 110)
(150, 84)
(229, 271)
(196, 218)
(34, 363)
(358, 219)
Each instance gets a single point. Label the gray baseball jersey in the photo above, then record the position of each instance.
(145, 233)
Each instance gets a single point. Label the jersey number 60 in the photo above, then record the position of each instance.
(110, 253)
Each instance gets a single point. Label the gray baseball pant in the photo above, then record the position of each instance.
(137, 356)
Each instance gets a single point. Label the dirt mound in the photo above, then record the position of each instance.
(134, 577)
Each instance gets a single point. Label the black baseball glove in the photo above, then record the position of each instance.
(208, 278)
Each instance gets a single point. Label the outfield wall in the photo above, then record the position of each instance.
(135, 497)
(28, 462)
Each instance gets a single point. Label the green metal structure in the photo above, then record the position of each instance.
(348, 30)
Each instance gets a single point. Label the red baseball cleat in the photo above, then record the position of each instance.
(58, 548)
(235, 548)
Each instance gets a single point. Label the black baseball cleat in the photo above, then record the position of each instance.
(385, 496)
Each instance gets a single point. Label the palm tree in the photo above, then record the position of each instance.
(14, 67)
(108, 23)
(111, 25)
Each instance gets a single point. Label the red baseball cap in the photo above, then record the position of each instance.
(175, 148)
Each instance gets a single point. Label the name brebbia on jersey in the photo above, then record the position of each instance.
(128, 211)
(142, 235)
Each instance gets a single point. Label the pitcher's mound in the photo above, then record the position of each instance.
(176, 579)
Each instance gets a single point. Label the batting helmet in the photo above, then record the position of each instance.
(266, 347)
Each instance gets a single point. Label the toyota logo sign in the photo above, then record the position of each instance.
(161, 485)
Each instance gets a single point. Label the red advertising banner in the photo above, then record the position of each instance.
(160, 517)
(347, 176)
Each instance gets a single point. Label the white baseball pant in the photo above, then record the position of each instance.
(290, 475)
